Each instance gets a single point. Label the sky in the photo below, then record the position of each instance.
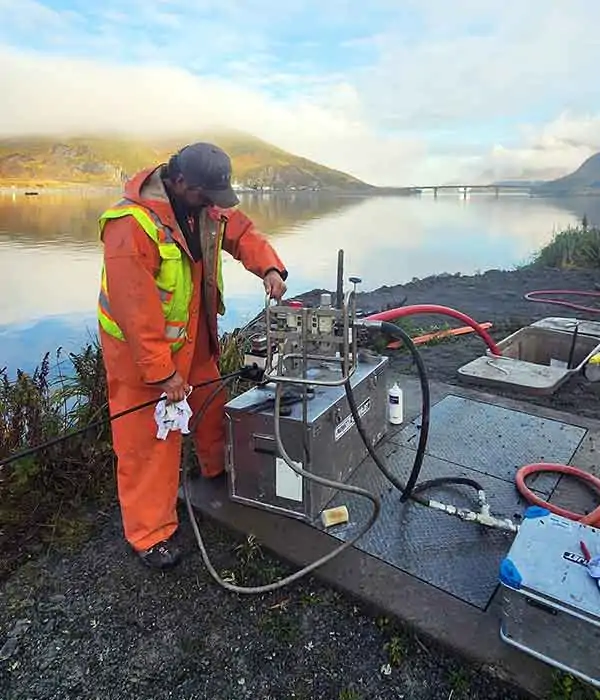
(396, 92)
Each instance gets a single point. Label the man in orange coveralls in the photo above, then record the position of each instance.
(160, 296)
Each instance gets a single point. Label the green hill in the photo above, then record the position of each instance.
(103, 161)
(584, 180)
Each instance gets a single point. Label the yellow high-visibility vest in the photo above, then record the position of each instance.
(174, 279)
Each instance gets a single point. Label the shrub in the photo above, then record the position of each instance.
(40, 494)
(44, 496)
(571, 248)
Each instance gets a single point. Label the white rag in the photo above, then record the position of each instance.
(172, 416)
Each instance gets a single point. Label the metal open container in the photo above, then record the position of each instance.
(539, 358)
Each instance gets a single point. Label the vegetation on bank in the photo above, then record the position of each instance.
(45, 497)
(41, 493)
(575, 247)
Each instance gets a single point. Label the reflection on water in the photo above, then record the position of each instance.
(50, 255)
(55, 218)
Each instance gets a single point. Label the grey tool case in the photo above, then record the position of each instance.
(550, 603)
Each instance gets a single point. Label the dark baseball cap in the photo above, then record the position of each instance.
(209, 167)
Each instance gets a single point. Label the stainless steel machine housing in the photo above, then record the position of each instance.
(328, 444)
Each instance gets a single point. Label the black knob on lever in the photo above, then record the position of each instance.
(355, 280)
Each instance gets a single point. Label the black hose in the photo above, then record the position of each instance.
(572, 350)
(67, 436)
(411, 488)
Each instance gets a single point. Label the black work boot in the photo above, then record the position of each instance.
(163, 555)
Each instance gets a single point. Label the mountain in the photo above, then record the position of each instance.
(108, 160)
(584, 180)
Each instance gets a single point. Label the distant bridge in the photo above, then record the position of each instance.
(465, 189)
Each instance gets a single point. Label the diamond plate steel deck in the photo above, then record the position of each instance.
(457, 557)
(494, 440)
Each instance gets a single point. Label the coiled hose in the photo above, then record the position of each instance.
(590, 480)
(538, 295)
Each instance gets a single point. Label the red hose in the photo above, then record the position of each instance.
(531, 296)
(392, 314)
(592, 518)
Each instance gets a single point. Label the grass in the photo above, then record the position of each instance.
(566, 687)
(46, 497)
(573, 248)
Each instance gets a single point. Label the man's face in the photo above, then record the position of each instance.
(192, 197)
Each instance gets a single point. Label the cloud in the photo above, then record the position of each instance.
(65, 95)
(396, 93)
(544, 152)
(474, 63)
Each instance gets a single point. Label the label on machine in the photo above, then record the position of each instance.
(344, 426)
(288, 484)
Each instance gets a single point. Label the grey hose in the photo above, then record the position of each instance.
(317, 479)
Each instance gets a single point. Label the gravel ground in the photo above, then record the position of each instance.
(93, 623)
(97, 625)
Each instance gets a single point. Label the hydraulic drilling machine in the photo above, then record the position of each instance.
(299, 417)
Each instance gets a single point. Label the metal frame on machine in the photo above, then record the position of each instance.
(329, 331)
(323, 327)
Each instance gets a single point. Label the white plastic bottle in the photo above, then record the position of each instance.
(395, 405)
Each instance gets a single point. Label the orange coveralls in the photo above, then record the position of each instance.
(147, 467)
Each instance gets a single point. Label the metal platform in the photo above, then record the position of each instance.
(492, 439)
(467, 438)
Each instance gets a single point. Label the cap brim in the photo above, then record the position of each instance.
(224, 199)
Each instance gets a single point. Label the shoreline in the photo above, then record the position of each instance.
(41, 189)
(497, 294)
(37, 187)
(55, 188)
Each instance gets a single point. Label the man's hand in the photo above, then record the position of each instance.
(275, 287)
(175, 388)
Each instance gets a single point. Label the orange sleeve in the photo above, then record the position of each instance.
(131, 262)
(248, 245)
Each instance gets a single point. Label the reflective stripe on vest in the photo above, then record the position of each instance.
(174, 279)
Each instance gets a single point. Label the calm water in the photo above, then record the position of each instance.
(50, 257)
